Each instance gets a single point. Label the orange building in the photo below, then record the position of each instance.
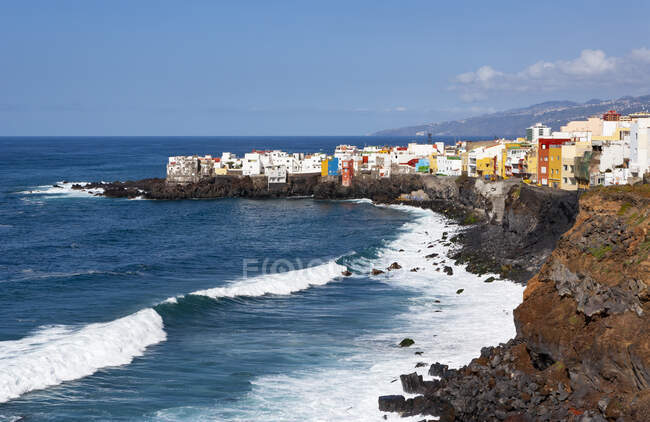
(347, 172)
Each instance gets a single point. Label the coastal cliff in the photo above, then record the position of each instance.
(582, 350)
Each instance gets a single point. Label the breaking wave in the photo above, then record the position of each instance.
(279, 283)
(63, 353)
(63, 189)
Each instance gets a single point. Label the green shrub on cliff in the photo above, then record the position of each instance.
(600, 252)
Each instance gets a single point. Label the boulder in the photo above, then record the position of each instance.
(407, 342)
(449, 270)
(489, 280)
(392, 403)
(438, 370)
(459, 291)
(412, 383)
(376, 271)
(346, 273)
(394, 266)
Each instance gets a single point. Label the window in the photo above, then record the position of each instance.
(543, 170)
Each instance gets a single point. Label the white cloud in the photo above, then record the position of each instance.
(590, 68)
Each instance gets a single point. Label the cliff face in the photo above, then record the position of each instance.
(522, 225)
(582, 351)
(588, 307)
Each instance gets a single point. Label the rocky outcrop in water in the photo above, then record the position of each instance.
(582, 350)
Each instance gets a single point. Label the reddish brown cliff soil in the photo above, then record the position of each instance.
(588, 310)
(582, 351)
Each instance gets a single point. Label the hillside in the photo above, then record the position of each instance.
(512, 123)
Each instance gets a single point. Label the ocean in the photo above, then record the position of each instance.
(217, 310)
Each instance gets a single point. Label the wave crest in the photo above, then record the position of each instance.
(278, 283)
(61, 353)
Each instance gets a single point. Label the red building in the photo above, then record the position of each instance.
(347, 172)
(611, 116)
(542, 157)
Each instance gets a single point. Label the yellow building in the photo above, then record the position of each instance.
(221, 171)
(323, 167)
(569, 153)
(485, 166)
(531, 164)
(433, 163)
(555, 165)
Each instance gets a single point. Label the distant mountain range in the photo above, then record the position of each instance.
(513, 123)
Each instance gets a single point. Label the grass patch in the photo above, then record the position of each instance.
(600, 252)
(638, 220)
(626, 206)
(470, 219)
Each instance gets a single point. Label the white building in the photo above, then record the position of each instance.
(612, 154)
(252, 164)
(276, 174)
(183, 169)
(422, 150)
(345, 152)
(450, 165)
(640, 147)
(312, 163)
(230, 160)
(537, 131)
(616, 177)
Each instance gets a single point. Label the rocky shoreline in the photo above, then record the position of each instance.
(582, 349)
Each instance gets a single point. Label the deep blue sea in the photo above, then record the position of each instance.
(217, 310)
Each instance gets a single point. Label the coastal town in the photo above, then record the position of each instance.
(605, 150)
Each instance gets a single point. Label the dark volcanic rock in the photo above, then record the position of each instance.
(394, 266)
(412, 383)
(449, 270)
(376, 271)
(392, 403)
(346, 273)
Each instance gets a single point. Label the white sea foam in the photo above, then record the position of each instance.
(56, 354)
(358, 201)
(278, 283)
(347, 390)
(63, 189)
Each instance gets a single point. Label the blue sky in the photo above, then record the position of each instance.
(305, 67)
